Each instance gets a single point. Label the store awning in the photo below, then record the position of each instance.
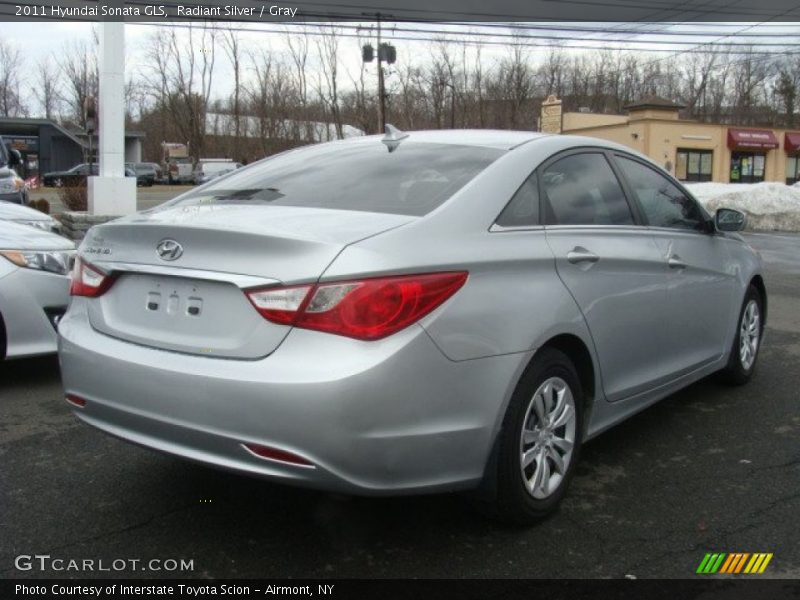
(751, 139)
(791, 142)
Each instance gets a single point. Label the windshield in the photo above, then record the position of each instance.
(413, 179)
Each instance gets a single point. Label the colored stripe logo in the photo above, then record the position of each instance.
(734, 563)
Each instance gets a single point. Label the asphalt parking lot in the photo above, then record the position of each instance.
(711, 468)
(146, 197)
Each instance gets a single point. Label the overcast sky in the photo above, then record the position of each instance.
(42, 40)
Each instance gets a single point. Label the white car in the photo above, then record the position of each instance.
(34, 289)
(23, 215)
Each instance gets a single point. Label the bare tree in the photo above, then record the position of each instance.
(184, 68)
(328, 76)
(787, 87)
(233, 50)
(299, 51)
(79, 68)
(46, 85)
(11, 103)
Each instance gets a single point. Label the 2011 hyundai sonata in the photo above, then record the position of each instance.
(420, 312)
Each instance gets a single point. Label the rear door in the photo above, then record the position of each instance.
(611, 266)
(701, 275)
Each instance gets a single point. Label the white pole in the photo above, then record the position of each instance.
(111, 193)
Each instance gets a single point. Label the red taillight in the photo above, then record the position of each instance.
(369, 309)
(75, 400)
(277, 454)
(88, 280)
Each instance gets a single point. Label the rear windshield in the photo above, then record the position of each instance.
(413, 179)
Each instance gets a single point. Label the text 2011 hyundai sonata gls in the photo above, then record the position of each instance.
(419, 312)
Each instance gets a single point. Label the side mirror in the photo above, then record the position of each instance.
(14, 157)
(727, 219)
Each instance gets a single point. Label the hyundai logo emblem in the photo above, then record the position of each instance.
(169, 250)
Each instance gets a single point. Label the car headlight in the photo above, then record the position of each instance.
(11, 185)
(54, 261)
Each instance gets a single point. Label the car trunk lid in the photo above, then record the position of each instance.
(193, 301)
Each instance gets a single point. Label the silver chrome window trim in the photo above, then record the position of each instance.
(631, 227)
(495, 228)
(241, 281)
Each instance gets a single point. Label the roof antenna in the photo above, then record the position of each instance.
(393, 137)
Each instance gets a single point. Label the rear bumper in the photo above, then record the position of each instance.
(28, 301)
(388, 417)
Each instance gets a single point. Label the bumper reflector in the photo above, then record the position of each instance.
(75, 400)
(278, 455)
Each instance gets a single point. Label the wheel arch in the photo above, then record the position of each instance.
(758, 282)
(578, 353)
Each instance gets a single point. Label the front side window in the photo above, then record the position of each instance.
(581, 189)
(412, 179)
(663, 203)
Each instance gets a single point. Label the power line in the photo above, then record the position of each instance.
(480, 38)
(517, 26)
(473, 42)
(628, 4)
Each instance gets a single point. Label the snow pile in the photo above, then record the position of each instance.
(768, 206)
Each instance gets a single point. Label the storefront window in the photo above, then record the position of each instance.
(792, 169)
(694, 165)
(747, 167)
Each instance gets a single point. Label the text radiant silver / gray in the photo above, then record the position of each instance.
(433, 311)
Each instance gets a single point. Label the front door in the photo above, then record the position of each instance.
(701, 275)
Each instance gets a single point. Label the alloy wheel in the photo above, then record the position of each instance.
(749, 333)
(548, 437)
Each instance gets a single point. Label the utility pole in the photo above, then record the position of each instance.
(381, 88)
(386, 53)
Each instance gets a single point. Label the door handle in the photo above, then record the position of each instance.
(675, 262)
(579, 255)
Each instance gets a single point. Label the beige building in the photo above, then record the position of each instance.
(694, 151)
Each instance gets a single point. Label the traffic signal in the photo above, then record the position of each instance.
(387, 53)
(367, 53)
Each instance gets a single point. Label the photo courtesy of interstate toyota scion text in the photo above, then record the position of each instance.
(410, 313)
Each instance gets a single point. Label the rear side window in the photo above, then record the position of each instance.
(581, 189)
(523, 208)
(663, 203)
(412, 179)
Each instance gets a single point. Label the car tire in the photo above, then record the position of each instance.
(2, 338)
(537, 431)
(58, 182)
(747, 341)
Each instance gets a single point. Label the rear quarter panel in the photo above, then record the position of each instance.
(513, 301)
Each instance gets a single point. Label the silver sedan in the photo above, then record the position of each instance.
(450, 310)
(24, 215)
(34, 288)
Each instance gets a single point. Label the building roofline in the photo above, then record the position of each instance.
(29, 121)
(656, 102)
